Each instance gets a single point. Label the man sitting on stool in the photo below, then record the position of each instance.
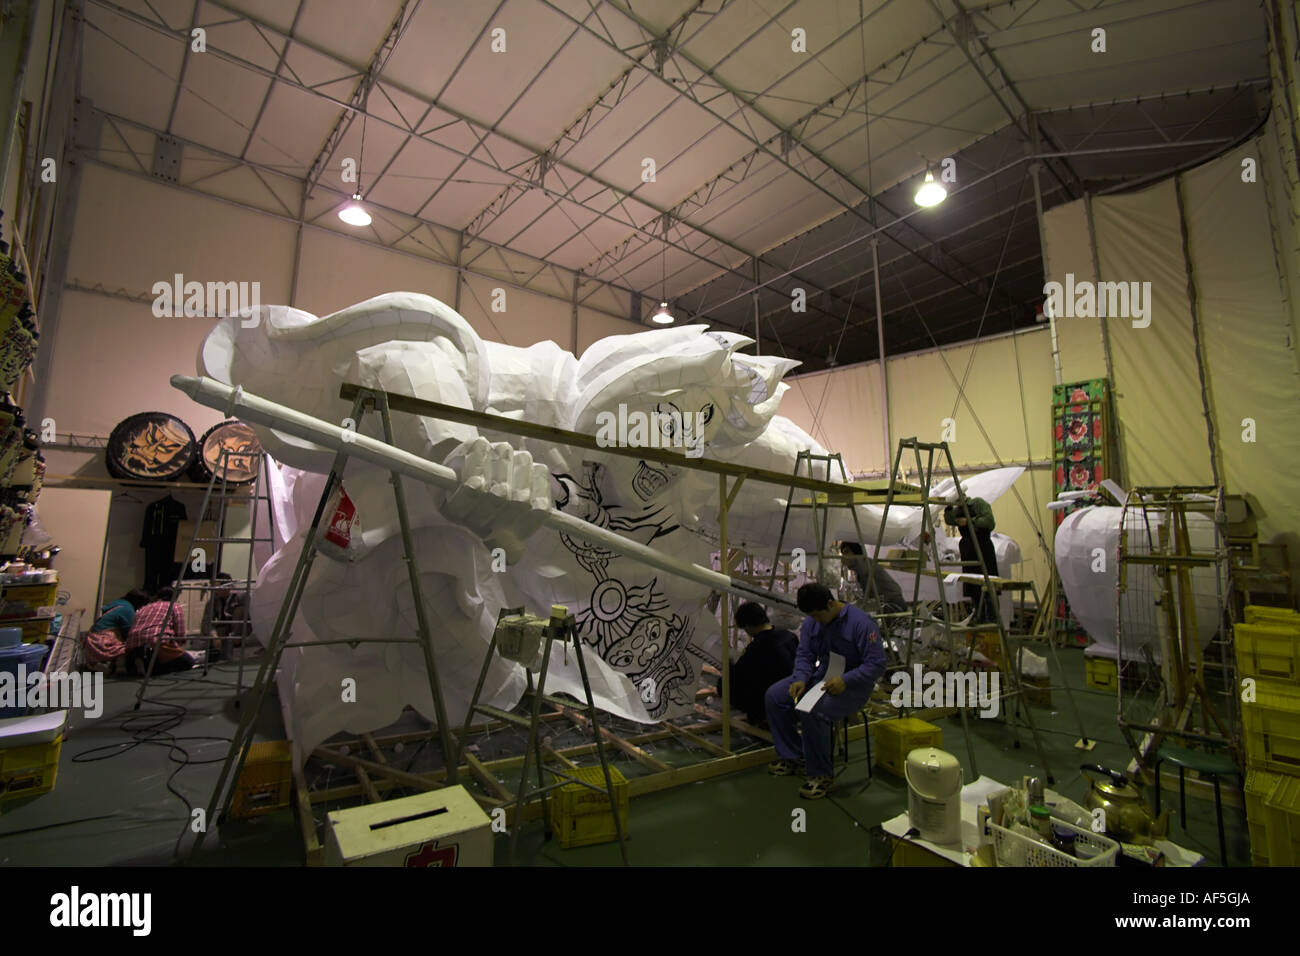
(832, 627)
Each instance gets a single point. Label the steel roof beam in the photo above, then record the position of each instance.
(943, 262)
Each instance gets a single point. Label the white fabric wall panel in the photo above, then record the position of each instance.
(130, 233)
(1250, 351)
(113, 359)
(337, 271)
(841, 409)
(1157, 391)
(989, 422)
(1069, 253)
(528, 318)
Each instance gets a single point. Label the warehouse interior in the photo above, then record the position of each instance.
(965, 335)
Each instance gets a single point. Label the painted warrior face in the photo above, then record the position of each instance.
(155, 449)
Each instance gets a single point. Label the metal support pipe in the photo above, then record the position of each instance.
(15, 46)
(573, 345)
(880, 345)
(237, 403)
(1034, 169)
(1198, 341)
(725, 608)
(460, 253)
(417, 596)
(297, 249)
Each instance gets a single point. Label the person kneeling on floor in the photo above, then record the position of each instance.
(832, 627)
(159, 620)
(105, 643)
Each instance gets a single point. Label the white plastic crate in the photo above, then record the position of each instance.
(1013, 849)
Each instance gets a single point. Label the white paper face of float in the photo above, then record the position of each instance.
(647, 632)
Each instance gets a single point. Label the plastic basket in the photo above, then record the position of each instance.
(1013, 849)
(1259, 785)
(1272, 729)
(1282, 809)
(27, 771)
(581, 816)
(1261, 614)
(266, 783)
(1101, 673)
(897, 738)
(1270, 650)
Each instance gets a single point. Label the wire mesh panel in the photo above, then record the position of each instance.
(1176, 664)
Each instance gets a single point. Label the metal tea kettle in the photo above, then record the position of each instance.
(1128, 818)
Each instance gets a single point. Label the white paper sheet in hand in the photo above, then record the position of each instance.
(809, 700)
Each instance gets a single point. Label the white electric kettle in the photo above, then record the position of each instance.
(934, 794)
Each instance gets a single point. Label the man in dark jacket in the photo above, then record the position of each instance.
(768, 658)
(976, 540)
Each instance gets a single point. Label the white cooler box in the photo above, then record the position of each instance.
(442, 828)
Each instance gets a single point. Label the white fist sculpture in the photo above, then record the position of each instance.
(504, 496)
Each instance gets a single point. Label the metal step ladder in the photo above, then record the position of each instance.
(819, 505)
(224, 495)
(560, 627)
(938, 458)
(224, 789)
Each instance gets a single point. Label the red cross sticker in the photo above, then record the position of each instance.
(430, 854)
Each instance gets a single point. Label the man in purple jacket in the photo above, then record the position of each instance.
(831, 627)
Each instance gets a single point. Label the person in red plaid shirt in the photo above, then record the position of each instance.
(151, 623)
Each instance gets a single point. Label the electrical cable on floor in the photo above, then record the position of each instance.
(157, 734)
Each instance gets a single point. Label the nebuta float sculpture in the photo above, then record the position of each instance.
(651, 631)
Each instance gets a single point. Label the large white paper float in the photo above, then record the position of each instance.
(1087, 548)
(648, 624)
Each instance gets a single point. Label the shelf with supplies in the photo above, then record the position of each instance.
(29, 602)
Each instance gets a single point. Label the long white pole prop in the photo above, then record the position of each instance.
(237, 403)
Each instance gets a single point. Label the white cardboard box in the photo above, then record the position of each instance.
(442, 828)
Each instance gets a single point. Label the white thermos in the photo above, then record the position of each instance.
(934, 780)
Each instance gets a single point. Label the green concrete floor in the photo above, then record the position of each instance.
(119, 811)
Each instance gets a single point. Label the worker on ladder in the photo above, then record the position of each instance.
(976, 540)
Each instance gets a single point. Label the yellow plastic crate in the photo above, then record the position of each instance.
(1268, 650)
(1272, 729)
(580, 816)
(1260, 614)
(26, 771)
(1259, 785)
(266, 782)
(33, 595)
(36, 630)
(897, 738)
(1283, 822)
(989, 643)
(1100, 673)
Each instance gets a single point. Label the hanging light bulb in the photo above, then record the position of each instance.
(930, 193)
(353, 213)
(662, 316)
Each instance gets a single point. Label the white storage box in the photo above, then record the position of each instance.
(443, 828)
